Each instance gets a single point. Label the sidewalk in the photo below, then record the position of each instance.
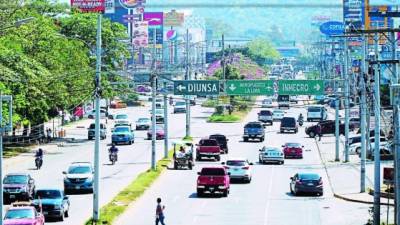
(345, 178)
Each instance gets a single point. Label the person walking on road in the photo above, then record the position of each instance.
(160, 212)
(319, 132)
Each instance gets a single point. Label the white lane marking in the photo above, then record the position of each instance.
(268, 194)
(202, 206)
(175, 198)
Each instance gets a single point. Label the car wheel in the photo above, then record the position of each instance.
(175, 165)
(61, 217)
(311, 134)
(90, 138)
(291, 190)
(225, 193)
(358, 150)
(200, 193)
(218, 158)
(321, 193)
(197, 158)
(245, 139)
(190, 165)
(66, 213)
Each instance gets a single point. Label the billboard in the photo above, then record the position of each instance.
(109, 6)
(155, 21)
(89, 5)
(384, 2)
(174, 19)
(154, 18)
(332, 28)
(354, 17)
(140, 32)
(130, 4)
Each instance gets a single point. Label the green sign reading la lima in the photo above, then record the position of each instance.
(249, 87)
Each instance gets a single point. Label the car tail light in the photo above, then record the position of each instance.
(245, 167)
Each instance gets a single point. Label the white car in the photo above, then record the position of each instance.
(266, 103)
(278, 114)
(355, 148)
(271, 155)
(122, 119)
(239, 168)
(92, 114)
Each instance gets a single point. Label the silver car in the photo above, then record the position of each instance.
(271, 155)
(239, 168)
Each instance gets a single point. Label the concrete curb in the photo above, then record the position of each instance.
(357, 200)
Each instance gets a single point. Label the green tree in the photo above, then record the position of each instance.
(261, 51)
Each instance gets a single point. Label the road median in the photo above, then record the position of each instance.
(118, 205)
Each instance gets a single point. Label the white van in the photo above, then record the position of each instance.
(316, 112)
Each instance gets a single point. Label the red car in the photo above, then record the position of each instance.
(22, 214)
(213, 180)
(208, 148)
(159, 133)
(293, 150)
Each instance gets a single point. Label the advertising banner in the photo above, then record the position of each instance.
(130, 4)
(332, 28)
(155, 21)
(384, 2)
(140, 31)
(89, 5)
(154, 18)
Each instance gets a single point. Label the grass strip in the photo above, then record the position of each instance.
(236, 116)
(14, 151)
(131, 193)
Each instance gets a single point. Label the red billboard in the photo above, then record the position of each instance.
(89, 5)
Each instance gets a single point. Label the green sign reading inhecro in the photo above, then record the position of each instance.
(249, 87)
(301, 87)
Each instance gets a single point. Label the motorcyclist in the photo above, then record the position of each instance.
(113, 150)
(39, 153)
(300, 119)
(171, 100)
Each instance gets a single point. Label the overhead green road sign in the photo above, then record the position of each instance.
(196, 87)
(249, 87)
(301, 87)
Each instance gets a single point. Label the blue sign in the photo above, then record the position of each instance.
(332, 28)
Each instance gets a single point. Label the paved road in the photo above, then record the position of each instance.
(266, 200)
(132, 160)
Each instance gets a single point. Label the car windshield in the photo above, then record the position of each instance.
(160, 111)
(253, 125)
(17, 179)
(79, 170)
(48, 194)
(20, 214)
(293, 145)
(213, 172)
(209, 142)
(289, 122)
(143, 120)
(265, 113)
(180, 103)
(121, 117)
(278, 112)
(309, 176)
(121, 129)
(93, 126)
(236, 163)
(267, 101)
(220, 139)
(314, 109)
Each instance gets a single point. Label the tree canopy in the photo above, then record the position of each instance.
(48, 63)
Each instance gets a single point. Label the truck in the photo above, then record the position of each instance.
(213, 180)
(265, 116)
(254, 130)
(283, 101)
(327, 127)
(208, 148)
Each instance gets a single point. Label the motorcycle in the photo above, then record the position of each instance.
(113, 157)
(301, 122)
(38, 162)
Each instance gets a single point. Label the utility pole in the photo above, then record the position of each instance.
(187, 77)
(223, 58)
(153, 105)
(8, 127)
(337, 102)
(96, 192)
(377, 158)
(166, 135)
(363, 114)
(346, 101)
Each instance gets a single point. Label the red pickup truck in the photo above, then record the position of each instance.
(213, 179)
(208, 148)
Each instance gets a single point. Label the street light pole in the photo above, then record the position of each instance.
(363, 116)
(187, 78)
(153, 105)
(347, 101)
(96, 192)
(337, 101)
(166, 135)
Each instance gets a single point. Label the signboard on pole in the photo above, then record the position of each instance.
(332, 28)
(301, 87)
(249, 87)
(131, 4)
(196, 87)
(155, 21)
(89, 5)
(174, 18)
(140, 32)
(154, 18)
(109, 6)
(354, 17)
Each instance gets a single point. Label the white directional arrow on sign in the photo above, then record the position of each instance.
(232, 87)
(181, 87)
(317, 87)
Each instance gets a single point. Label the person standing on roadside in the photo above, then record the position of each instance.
(160, 212)
(319, 132)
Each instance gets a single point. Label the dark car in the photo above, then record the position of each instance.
(289, 124)
(254, 130)
(327, 127)
(306, 183)
(18, 187)
(222, 142)
(54, 203)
